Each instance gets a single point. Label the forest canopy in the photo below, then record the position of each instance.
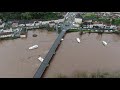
(30, 15)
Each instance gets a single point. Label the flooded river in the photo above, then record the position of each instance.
(89, 55)
(17, 61)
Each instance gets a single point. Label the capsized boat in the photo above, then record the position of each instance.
(41, 59)
(104, 43)
(78, 40)
(33, 47)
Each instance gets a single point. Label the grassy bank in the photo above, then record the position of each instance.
(73, 30)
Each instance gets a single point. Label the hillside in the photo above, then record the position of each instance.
(30, 15)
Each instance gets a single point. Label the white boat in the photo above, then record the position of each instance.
(41, 59)
(22, 36)
(78, 40)
(104, 43)
(62, 39)
(33, 47)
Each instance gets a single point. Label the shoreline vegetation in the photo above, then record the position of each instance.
(97, 74)
(92, 31)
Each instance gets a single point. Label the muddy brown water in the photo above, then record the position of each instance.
(90, 55)
(17, 61)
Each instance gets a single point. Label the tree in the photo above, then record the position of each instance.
(30, 15)
(90, 16)
(116, 21)
(26, 15)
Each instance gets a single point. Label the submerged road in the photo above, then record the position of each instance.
(52, 51)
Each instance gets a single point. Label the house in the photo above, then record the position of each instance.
(21, 23)
(51, 24)
(113, 27)
(87, 22)
(58, 21)
(14, 24)
(76, 25)
(6, 33)
(118, 28)
(2, 25)
(45, 22)
(7, 30)
(23, 33)
(78, 20)
(98, 25)
(32, 24)
(29, 23)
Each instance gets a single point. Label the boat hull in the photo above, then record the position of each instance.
(78, 40)
(104, 43)
(33, 47)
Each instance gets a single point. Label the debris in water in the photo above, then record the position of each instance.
(34, 35)
(41, 59)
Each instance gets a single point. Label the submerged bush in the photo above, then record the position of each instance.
(98, 74)
(60, 76)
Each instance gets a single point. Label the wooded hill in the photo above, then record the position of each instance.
(30, 15)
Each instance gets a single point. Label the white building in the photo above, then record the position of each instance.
(58, 21)
(21, 25)
(45, 22)
(78, 20)
(113, 27)
(51, 24)
(76, 25)
(15, 25)
(90, 26)
(2, 25)
(6, 33)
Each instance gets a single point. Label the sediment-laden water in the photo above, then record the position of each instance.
(17, 61)
(90, 55)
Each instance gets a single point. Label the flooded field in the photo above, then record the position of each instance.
(90, 55)
(17, 61)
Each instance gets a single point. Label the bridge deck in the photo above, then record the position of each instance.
(49, 55)
(45, 63)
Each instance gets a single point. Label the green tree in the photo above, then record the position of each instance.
(30, 15)
(116, 21)
(90, 16)
(26, 15)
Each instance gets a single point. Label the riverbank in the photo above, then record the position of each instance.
(94, 31)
